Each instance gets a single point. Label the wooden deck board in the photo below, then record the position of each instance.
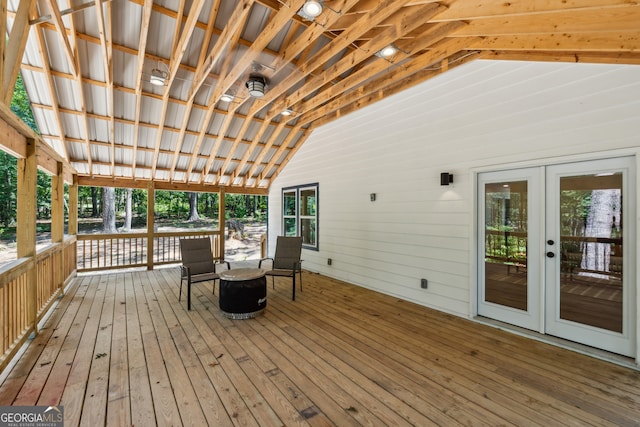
(119, 349)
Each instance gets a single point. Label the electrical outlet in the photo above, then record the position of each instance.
(423, 283)
(329, 261)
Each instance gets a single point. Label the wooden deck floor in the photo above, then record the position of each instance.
(120, 350)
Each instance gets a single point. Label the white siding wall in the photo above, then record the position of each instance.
(482, 115)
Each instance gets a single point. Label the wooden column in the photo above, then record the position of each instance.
(151, 207)
(221, 222)
(57, 221)
(73, 207)
(26, 230)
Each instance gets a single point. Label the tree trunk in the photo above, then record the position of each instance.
(108, 210)
(94, 203)
(127, 213)
(193, 207)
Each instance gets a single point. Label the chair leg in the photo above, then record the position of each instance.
(214, 286)
(293, 293)
(189, 294)
(180, 294)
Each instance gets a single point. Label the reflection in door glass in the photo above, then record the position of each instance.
(506, 244)
(591, 250)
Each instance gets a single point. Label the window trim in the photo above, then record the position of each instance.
(298, 218)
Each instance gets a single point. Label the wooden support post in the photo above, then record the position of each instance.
(57, 222)
(151, 206)
(72, 227)
(26, 230)
(221, 224)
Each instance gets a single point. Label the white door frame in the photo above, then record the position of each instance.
(634, 238)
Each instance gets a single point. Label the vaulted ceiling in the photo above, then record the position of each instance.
(88, 66)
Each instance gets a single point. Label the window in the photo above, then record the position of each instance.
(300, 213)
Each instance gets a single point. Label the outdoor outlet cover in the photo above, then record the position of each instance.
(423, 283)
(328, 261)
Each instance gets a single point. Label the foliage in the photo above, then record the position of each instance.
(21, 106)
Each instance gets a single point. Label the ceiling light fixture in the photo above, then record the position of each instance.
(311, 9)
(226, 97)
(256, 86)
(158, 77)
(387, 52)
(287, 112)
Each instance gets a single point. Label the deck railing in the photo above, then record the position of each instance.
(127, 250)
(28, 288)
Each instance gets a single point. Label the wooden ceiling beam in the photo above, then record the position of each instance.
(80, 89)
(431, 64)
(378, 14)
(15, 47)
(210, 113)
(143, 184)
(231, 31)
(190, 102)
(587, 21)
(176, 58)
(630, 58)
(271, 29)
(51, 86)
(438, 52)
(142, 48)
(469, 10)
(583, 42)
(264, 151)
(284, 147)
(57, 21)
(402, 22)
(301, 47)
(433, 34)
(178, 52)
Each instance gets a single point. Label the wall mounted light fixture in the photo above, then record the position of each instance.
(446, 178)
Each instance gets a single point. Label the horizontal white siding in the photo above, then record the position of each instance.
(481, 115)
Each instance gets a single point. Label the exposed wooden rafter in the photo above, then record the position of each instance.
(321, 69)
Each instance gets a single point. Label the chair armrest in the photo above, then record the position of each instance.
(224, 262)
(263, 259)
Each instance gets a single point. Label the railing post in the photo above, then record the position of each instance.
(57, 222)
(151, 206)
(26, 230)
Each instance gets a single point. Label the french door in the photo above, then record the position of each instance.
(551, 255)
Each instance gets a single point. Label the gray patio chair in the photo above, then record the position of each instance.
(198, 264)
(286, 262)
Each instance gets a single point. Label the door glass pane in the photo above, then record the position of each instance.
(506, 244)
(591, 250)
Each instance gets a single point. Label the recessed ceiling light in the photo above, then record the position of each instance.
(158, 77)
(287, 112)
(312, 8)
(387, 52)
(226, 98)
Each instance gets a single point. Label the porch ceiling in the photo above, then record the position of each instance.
(87, 68)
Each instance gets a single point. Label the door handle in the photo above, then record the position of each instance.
(550, 255)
